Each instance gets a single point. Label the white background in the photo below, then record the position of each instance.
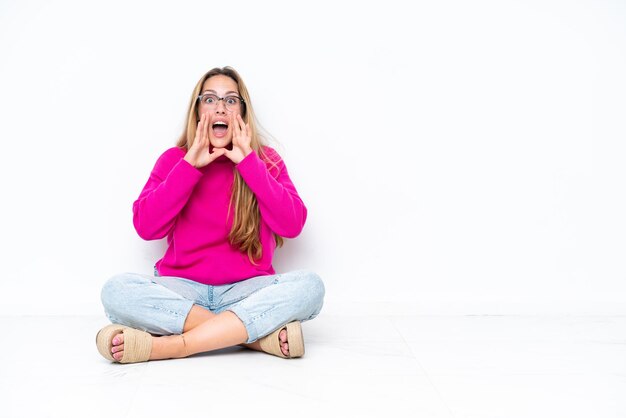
(455, 157)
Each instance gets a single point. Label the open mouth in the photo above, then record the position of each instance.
(219, 129)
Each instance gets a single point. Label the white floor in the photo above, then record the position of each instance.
(454, 366)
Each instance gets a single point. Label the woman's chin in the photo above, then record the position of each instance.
(222, 143)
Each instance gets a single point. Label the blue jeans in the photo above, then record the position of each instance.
(160, 304)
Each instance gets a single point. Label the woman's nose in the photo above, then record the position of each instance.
(220, 107)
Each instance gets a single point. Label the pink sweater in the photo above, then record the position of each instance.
(190, 206)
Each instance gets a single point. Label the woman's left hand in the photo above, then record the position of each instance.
(241, 139)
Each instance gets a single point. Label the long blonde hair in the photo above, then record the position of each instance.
(245, 232)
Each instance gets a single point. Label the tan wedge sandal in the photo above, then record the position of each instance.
(271, 344)
(137, 344)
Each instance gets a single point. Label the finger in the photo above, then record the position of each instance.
(236, 124)
(241, 123)
(217, 152)
(236, 131)
(206, 131)
(199, 130)
(244, 129)
(244, 126)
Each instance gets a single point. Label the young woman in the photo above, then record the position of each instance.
(224, 201)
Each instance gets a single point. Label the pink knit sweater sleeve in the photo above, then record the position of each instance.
(279, 203)
(165, 194)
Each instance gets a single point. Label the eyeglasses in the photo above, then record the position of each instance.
(231, 102)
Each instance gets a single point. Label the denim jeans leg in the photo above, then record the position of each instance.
(266, 303)
(158, 305)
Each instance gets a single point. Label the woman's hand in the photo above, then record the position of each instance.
(241, 139)
(199, 154)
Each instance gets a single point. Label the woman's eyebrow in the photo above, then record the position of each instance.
(227, 93)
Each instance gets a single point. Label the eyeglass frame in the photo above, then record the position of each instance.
(243, 102)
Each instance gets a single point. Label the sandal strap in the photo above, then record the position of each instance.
(137, 346)
(270, 344)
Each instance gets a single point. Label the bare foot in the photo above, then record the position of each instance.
(170, 346)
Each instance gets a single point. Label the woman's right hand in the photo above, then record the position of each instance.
(198, 155)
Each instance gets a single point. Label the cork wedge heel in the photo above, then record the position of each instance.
(271, 344)
(137, 344)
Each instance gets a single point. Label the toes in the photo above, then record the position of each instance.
(118, 339)
(282, 341)
(117, 351)
(118, 346)
(284, 344)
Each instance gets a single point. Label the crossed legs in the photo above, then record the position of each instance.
(167, 306)
(203, 331)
